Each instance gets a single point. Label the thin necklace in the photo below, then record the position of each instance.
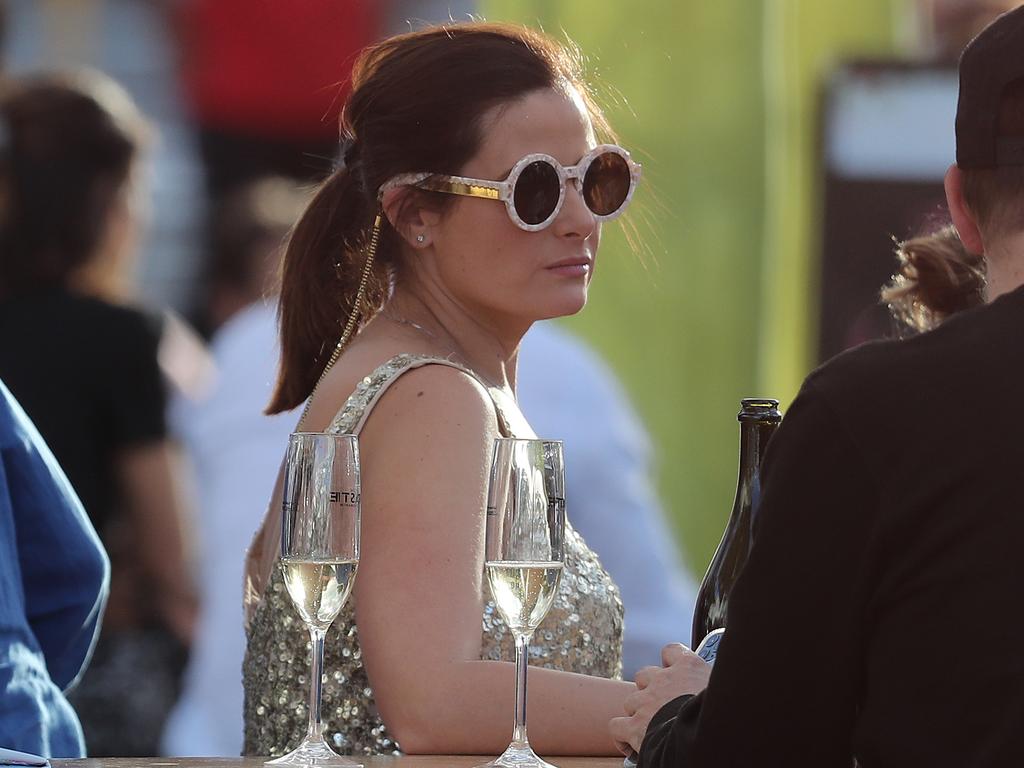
(434, 337)
(406, 321)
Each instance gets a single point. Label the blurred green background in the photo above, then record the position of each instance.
(719, 101)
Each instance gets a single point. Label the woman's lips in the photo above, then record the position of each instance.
(579, 267)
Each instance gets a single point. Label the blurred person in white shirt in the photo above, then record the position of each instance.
(235, 451)
(610, 493)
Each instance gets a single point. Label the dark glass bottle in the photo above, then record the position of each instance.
(758, 419)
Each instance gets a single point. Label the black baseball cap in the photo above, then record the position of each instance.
(990, 63)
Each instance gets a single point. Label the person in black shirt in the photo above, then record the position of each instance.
(84, 364)
(878, 618)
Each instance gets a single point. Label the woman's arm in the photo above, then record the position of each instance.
(150, 477)
(147, 468)
(426, 450)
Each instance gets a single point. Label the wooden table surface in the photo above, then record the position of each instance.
(408, 761)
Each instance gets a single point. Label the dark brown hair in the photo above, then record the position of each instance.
(66, 149)
(416, 105)
(937, 276)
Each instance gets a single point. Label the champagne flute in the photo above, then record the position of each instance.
(319, 555)
(524, 557)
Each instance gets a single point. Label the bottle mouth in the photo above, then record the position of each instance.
(759, 409)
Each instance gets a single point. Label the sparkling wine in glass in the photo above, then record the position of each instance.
(319, 556)
(524, 557)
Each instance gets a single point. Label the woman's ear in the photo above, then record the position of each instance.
(409, 217)
(964, 220)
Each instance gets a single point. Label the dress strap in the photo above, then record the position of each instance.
(352, 415)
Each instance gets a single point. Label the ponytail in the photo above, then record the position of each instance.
(937, 277)
(320, 279)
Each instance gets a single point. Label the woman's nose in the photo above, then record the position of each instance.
(575, 219)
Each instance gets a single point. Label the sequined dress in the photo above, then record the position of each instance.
(581, 633)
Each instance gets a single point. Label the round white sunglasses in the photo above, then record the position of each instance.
(534, 190)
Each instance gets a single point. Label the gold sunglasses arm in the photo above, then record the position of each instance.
(463, 185)
(455, 185)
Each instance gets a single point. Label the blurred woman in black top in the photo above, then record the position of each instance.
(85, 366)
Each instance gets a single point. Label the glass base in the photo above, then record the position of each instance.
(314, 754)
(518, 756)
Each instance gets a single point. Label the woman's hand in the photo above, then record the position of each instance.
(683, 672)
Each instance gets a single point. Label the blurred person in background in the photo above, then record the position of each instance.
(235, 453)
(54, 577)
(610, 495)
(86, 367)
(250, 227)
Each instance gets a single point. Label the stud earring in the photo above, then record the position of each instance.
(421, 238)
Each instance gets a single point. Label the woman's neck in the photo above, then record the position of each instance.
(486, 345)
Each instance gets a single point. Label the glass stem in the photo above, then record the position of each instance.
(519, 731)
(316, 727)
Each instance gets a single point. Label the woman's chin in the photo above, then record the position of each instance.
(564, 305)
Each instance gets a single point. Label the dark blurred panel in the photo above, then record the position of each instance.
(887, 141)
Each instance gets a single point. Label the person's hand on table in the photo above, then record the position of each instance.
(683, 672)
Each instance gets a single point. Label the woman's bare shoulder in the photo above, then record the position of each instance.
(428, 401)
(360, 360)
(427, 444)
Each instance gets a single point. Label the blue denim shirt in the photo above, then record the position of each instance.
(54, 577)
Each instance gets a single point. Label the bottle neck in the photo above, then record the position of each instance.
(754, 436)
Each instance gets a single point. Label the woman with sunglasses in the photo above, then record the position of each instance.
(477, 172)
